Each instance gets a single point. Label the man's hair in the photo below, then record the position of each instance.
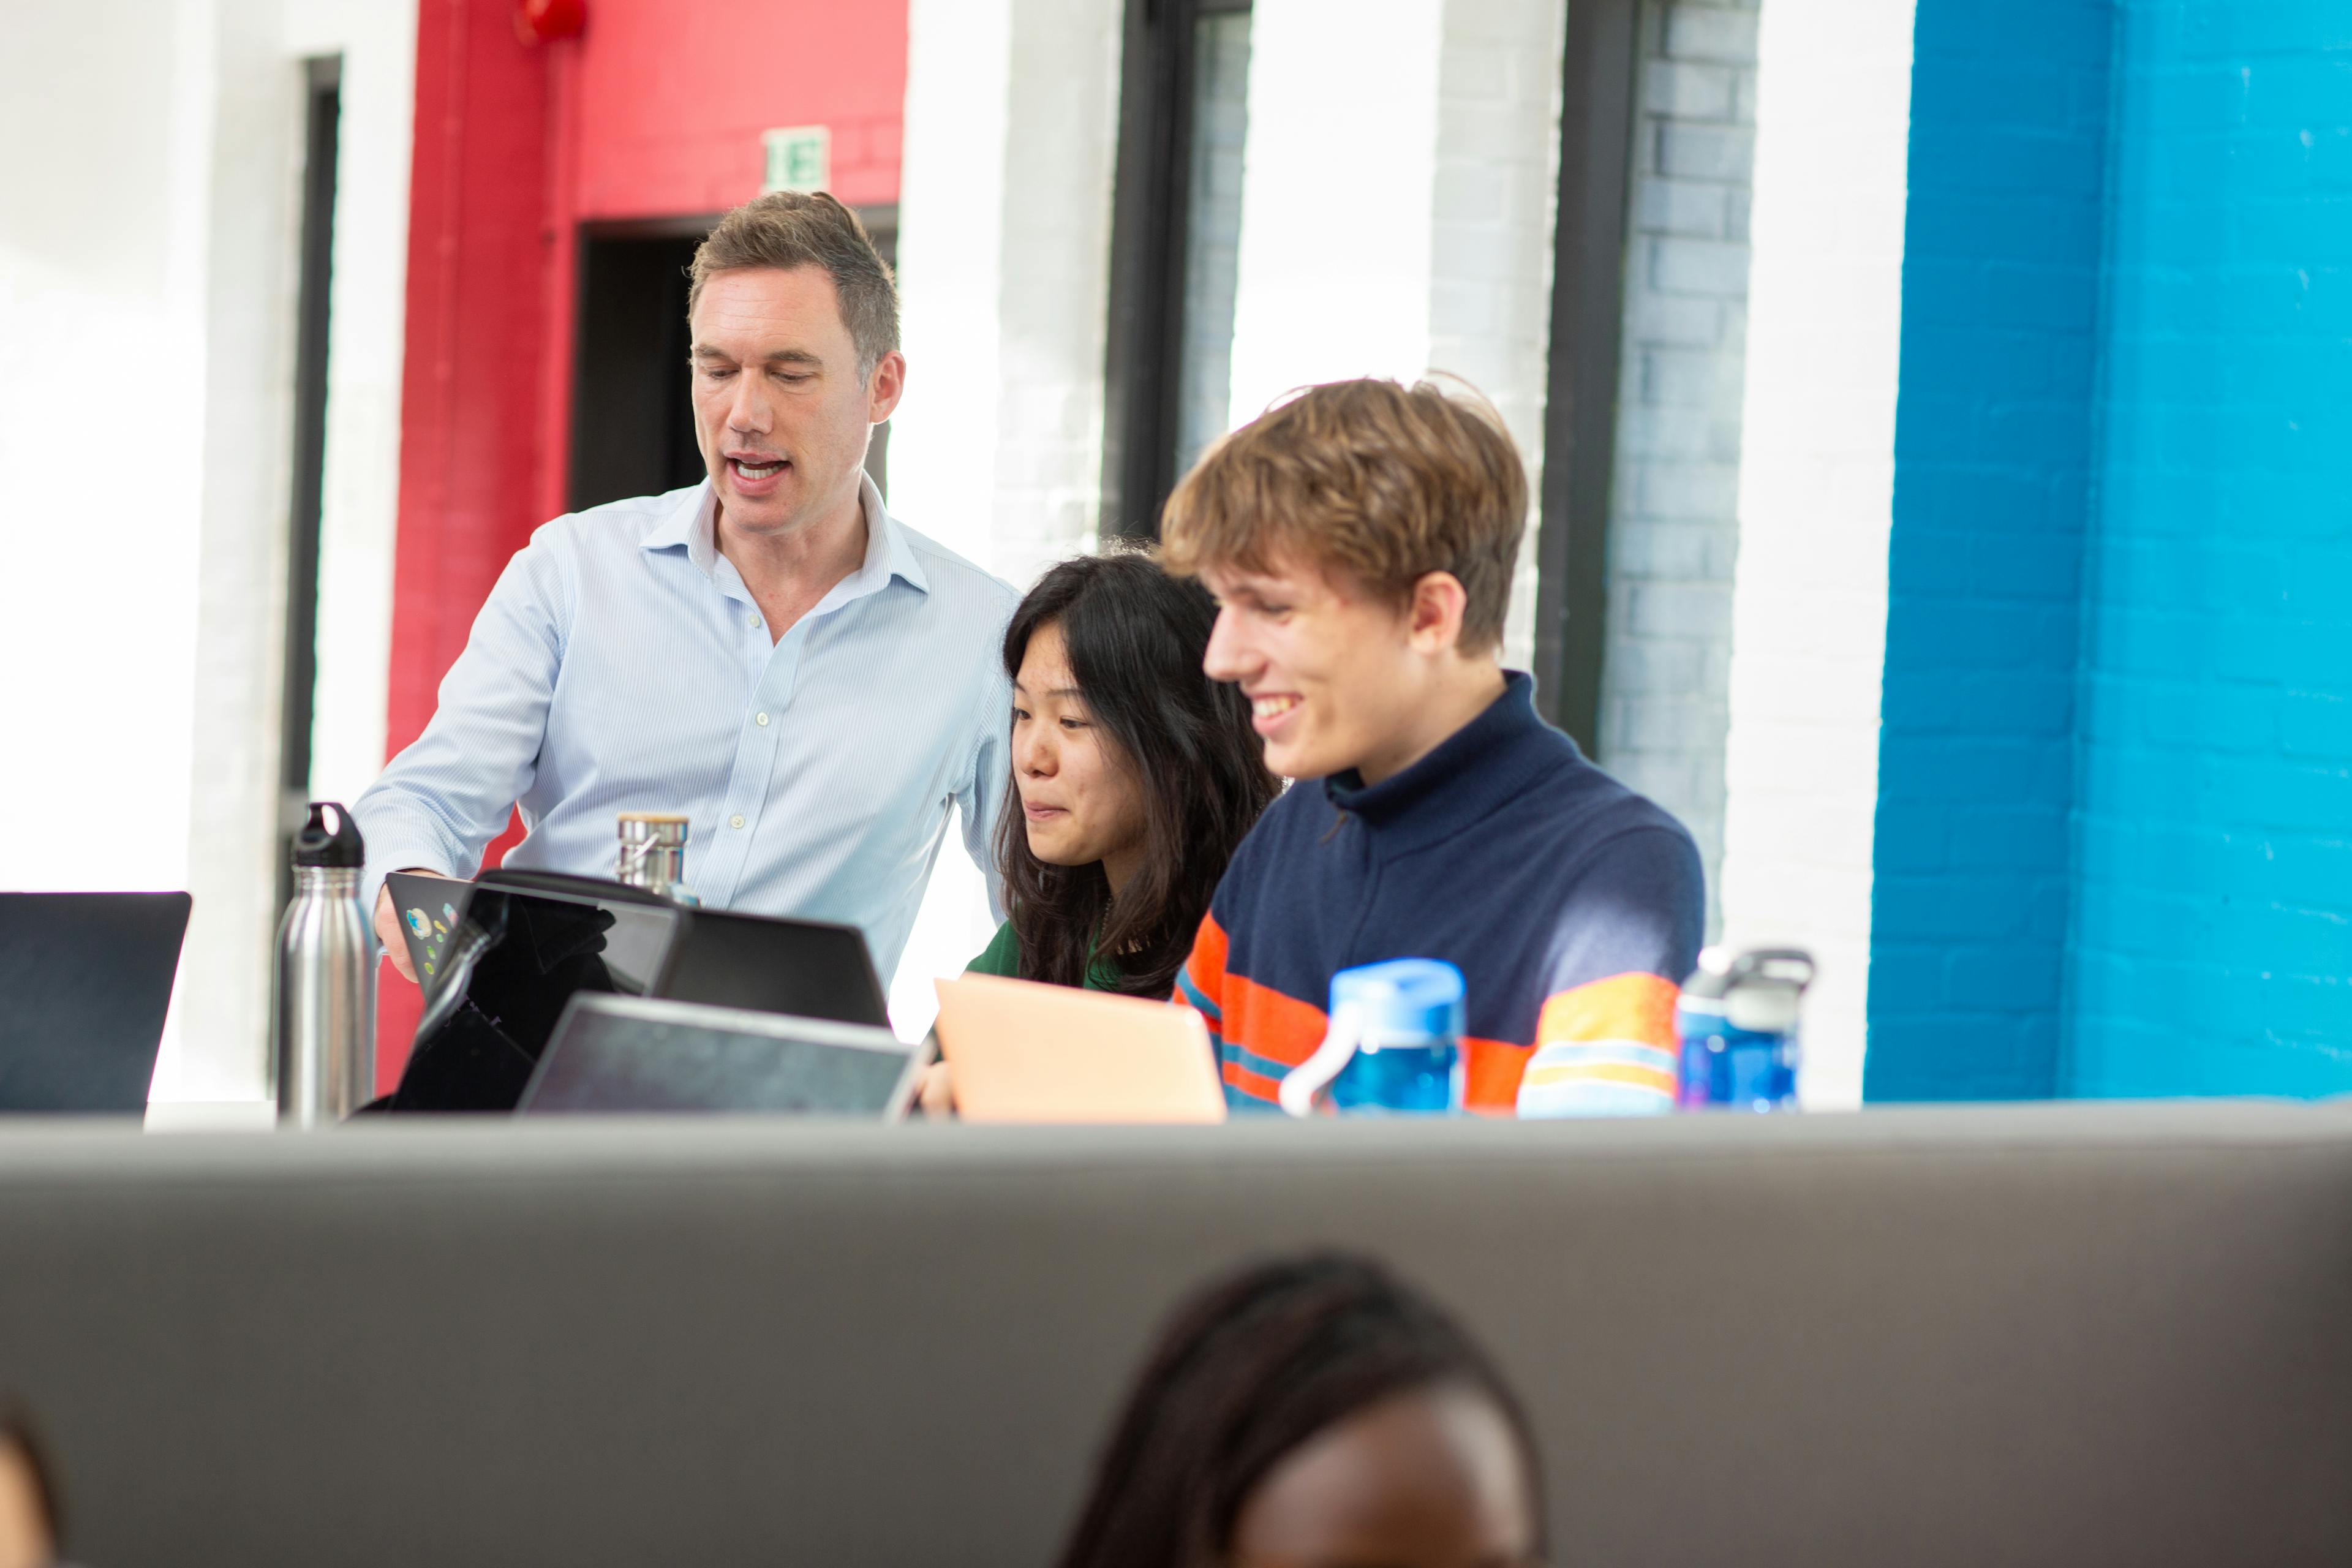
(1249, 1369)
(786, 229)
(1383, 482)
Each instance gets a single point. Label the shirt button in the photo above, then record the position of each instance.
(735, 821)
(763, 718)
(755, 621)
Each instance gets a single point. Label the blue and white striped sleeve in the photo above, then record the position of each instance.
(982, 797)
(440, 802)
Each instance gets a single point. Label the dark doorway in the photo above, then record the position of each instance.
(632, 410)
(322, 122)
(632, 403)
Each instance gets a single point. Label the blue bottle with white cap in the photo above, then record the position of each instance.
(1737, 1018)
(1394, 1046)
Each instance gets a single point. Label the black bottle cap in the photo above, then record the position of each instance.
(341, 846)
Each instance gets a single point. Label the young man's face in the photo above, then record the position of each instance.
(779, 410)
(1330, 670)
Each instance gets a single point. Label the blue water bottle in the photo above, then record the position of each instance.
(1394, 1046)
(1738, 1020)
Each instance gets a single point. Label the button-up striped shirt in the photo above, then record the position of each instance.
(621, 664)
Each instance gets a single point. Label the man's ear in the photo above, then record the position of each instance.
(1433, 618)
(885, 387)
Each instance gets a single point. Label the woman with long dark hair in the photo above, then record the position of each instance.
(1314, 1410)
(1134, 777)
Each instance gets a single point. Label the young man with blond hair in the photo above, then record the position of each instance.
(1359, 540)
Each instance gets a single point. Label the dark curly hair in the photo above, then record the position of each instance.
(1135, 637)
(1249, 1369)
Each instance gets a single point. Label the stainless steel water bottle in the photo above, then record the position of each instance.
(324, 1025)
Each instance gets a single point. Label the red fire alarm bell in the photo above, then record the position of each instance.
(538, 21)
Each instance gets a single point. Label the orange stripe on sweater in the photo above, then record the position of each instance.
(1258, 1086)
(1206, 966)
(1633, 1006)
(1490, 1075)
(1262, 1020)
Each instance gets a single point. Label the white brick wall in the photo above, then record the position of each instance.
(1815, 504)
(1674, 530)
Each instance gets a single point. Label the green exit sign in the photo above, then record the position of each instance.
(800, 158)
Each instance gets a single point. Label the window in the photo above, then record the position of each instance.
(1175, 247)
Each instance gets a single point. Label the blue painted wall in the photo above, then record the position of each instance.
(2116, 818)
(2212, 930)
(1994, 448)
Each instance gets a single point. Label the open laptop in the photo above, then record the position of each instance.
(1025, 1052)
(613, 1054)
(85, 981)
(524, 942)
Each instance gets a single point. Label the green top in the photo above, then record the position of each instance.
(1003, 956)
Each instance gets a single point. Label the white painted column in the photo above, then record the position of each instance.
(1816, 495)
(366, 337)
(1004, 216)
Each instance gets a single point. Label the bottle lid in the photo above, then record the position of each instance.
(1725, 971)
(1404, 997)
(339, 848)
(653, 826)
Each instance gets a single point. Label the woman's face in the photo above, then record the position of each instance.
(1081, 800)
(1428, 1478)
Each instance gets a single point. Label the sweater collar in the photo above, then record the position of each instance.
(1469, 774)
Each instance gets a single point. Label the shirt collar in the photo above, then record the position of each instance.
(1469, 773)
(692, 524)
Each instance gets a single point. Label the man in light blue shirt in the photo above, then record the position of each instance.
(811, 683)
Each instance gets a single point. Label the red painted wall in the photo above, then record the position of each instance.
(653, 112)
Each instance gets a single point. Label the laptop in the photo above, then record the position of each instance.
(85, 981)
(614, 1055)
(523, 943)
(1021, 1051)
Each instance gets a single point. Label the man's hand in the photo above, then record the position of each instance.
(387, 927)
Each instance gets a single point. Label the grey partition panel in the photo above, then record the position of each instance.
(2053, 1336)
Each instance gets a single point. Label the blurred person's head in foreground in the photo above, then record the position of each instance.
(1360, 538)
(28, 1500)
(1315, 1412)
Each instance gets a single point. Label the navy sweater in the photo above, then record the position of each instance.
(1573, 906)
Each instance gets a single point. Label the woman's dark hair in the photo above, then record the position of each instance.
(18, 1432)
(1135, 637)
(1247, 1371)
